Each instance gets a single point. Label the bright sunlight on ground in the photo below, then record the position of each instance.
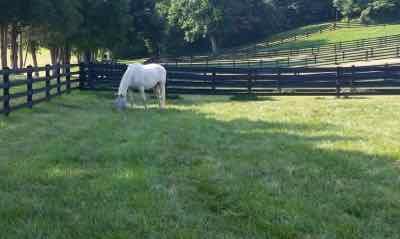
(207, 167)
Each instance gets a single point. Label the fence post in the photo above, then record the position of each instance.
(398, 51)
(249, 81)
(338, 86)
(353, 72)
(366, 55)
(68, 77)
(386, 71)
(58, 79)
(213, 82)
(6, 91)
(29, 88)
(47, 79)
(82, 75)
(288, 61)
(90, 76)
(336, 59)
(315, 58)
(279, 80)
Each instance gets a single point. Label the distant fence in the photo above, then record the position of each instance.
(24, 88)
(337, 81)
(270, 47)
(378, 48)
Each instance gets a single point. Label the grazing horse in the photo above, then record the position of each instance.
(142, 77)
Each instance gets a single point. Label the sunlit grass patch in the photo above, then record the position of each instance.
(205, 167)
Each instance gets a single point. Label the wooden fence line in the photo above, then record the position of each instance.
(204, 80)
(290, 38)
(26, 90)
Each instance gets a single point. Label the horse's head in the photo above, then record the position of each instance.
(120, 103)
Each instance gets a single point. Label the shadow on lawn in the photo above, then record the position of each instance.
(167, 173)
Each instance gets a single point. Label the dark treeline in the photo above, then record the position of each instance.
(134, 28)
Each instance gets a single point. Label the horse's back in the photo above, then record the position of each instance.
(155, 71)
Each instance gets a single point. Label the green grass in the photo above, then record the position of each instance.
(206, 167)
(341, 35)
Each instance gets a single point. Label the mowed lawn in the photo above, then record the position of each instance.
(342, 35)
(206, 167)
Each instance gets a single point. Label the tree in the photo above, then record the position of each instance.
(198, 18)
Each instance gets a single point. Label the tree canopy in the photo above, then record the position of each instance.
(129, 28)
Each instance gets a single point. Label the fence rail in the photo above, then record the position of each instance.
(338, 81)
(27, 87)
(273, 46)
(24, 88)
(368, 49)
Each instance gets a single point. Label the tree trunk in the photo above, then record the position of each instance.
(21, 52)
(214, 45)
(4, 45)
(67, 59)
(14, 47)
(33, 50)
(54, 55)
(87, 58)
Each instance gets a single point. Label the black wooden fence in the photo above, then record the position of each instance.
(24, 88)
(338, 81)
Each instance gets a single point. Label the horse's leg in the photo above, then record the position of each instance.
(157, 93)
(163, 93)
(131, 97)
(143, 93)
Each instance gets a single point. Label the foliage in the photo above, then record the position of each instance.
(369, 10)
(153, 27)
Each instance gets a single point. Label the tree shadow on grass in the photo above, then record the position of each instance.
(180, 172)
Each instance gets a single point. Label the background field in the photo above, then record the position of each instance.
(206, 167)
(341, 35)
(43, 57)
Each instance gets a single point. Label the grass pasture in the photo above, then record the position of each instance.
(206, 167)
(317, 49)
(342, 35)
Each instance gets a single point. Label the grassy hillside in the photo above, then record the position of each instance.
(341, 35)
(314, 45)
(206, 167)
